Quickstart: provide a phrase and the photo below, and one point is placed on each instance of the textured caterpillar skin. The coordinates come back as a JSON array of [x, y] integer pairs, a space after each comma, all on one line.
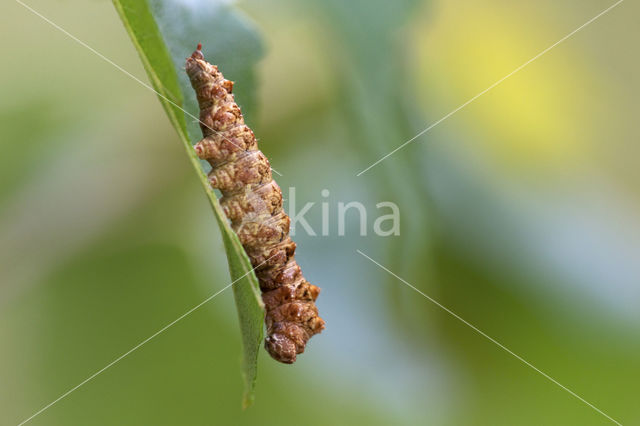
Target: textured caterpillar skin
[[252, 201]]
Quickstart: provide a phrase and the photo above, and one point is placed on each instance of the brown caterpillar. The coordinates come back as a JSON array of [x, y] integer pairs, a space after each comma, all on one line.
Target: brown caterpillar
[[252, 201]]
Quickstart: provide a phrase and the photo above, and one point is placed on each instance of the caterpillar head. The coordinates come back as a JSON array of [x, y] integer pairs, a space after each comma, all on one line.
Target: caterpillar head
[[281, 348]]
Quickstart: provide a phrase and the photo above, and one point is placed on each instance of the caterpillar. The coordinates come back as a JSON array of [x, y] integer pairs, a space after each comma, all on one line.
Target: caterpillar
[[252, 201]]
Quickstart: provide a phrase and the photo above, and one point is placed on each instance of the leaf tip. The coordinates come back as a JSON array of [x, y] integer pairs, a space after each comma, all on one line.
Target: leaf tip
[[247, 400]]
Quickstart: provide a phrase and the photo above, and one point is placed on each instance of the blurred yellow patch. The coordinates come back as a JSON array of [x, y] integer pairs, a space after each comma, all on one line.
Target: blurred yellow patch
[[531, 120]]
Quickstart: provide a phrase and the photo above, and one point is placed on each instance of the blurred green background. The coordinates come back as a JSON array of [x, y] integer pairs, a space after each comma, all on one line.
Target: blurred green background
[[521, 213]]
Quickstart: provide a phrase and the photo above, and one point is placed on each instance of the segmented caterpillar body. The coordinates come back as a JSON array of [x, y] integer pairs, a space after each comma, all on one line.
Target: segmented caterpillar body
[[252, 201]]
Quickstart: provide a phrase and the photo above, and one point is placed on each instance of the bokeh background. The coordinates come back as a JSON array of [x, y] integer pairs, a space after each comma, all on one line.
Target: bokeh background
[[521, 213]]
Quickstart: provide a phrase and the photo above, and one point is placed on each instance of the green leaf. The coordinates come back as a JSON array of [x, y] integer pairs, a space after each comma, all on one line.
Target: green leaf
[[165, 33]]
